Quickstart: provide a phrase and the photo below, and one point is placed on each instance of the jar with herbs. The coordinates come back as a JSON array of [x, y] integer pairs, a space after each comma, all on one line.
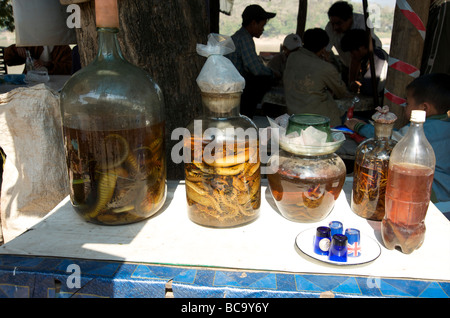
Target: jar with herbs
[[310, 176], [371, 168], [223, 180]]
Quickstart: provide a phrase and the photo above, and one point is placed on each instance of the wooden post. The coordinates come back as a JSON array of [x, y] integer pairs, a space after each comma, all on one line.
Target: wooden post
[[406, 46], [301, 17], [2, 166], [373, 74], [214, 16]]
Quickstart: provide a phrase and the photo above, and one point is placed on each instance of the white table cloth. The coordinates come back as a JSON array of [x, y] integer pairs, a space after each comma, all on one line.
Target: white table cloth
[[169, 237]]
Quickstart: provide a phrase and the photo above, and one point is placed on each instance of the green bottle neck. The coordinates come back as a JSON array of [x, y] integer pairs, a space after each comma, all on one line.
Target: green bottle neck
[[108, 45]]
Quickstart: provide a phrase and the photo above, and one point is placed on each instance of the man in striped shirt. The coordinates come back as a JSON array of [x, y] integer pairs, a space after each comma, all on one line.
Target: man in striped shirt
[[258, 77]]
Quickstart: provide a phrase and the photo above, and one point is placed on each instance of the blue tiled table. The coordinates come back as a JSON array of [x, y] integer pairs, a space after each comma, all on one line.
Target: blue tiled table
[[27, 270], [48, 277]]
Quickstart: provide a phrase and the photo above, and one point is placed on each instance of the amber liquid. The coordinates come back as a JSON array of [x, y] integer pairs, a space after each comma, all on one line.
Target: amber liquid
[[408, 194], [305, 200], [369, 188], [116, 177], [225, 192]]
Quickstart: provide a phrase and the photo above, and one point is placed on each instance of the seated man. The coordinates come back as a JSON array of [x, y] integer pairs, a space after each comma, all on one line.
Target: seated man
[[341, 20], [258, 78], [430, 93], [356, 42], [311, 82], [56, 59], [291, 43]]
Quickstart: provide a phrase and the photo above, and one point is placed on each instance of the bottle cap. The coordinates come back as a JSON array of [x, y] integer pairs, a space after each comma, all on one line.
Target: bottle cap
[[418, 116], [106, 13], [383, 115]]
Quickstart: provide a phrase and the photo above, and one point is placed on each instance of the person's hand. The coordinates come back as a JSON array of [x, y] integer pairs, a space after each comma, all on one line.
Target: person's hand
[[355, 87], [351, 123]]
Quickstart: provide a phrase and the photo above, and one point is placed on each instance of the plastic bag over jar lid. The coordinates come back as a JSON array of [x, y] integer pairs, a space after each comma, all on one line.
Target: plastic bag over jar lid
[[219, 75], [383, 115]]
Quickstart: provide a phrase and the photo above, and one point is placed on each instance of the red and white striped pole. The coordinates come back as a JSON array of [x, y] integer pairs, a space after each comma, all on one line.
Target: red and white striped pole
[[409, 13], [408, 35]]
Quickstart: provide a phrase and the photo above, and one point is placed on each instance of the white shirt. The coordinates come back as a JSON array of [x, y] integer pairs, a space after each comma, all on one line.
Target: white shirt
[[45, 55]]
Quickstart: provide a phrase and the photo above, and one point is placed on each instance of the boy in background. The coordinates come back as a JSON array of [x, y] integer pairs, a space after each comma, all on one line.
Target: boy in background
[[430, 93]]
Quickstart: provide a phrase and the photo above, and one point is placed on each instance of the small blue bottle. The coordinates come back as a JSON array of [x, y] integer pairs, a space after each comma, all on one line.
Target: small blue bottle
[[338, 248], [336, 227], [322, 240]]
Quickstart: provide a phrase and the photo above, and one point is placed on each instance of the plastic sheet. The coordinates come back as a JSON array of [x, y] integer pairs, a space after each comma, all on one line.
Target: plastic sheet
[[218, 74]]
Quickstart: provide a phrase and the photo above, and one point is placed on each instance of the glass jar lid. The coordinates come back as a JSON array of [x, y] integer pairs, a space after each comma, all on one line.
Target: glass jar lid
[[296, 144], [299, 122]]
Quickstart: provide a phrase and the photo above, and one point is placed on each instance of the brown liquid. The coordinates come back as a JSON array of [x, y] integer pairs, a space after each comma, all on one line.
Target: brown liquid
[[116, 177], [369, 188], [408, 194], [223, 193], [305, 200]]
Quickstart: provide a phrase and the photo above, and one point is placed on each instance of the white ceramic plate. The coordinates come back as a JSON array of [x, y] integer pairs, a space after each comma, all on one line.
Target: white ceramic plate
[[370, 249]]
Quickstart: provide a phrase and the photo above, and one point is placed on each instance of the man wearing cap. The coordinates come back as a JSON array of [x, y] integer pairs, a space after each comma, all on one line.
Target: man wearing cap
[[258, 77], [291, 43]]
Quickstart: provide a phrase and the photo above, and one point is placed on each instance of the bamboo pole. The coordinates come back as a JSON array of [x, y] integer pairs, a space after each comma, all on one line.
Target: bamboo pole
[[301, 17], [373, 74], [407, 45]]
